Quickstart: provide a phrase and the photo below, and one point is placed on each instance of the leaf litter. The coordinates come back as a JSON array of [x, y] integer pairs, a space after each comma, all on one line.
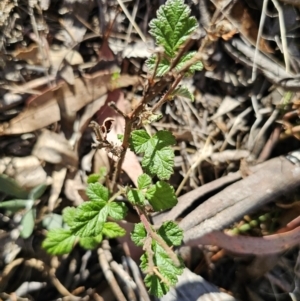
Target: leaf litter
[[58, 71]]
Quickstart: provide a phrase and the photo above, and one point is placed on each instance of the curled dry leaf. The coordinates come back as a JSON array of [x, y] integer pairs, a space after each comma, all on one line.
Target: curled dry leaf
[[131, 164]]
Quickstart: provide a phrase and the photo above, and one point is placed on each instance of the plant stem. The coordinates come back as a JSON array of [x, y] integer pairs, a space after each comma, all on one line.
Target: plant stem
[[157, 237]]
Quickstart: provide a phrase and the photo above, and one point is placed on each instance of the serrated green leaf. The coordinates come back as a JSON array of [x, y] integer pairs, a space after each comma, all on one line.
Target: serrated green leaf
[[156, 286], [166, 265], [186, 57], [89, 219], [69, 215], [97, 177], [37, 192], [116, 210], [183, 92], [158, 155], [10, 187], [97, 192], [90, 243], [144, 181], [27, 223], [93, 178], [138, 234], [136, 197], [171, 233], [162, 68], [59, 241], [159, 286], [172, 26], [161, 196], [16, 205], [112, 230], [139, 141]]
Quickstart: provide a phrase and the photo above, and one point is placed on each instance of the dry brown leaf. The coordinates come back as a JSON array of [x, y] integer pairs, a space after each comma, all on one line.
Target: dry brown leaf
[[54, 148], [131, 164], [58, 178], [43, 110], [27, 171]]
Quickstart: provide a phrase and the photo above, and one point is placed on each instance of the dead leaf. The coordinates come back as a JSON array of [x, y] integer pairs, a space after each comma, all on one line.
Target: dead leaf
[[54, 148], [58, 178], [73, 185], [27, 171], [43, 110], [131, 164]]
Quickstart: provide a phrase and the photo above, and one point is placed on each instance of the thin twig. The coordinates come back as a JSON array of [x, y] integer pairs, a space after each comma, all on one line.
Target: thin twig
[[261, 24], [283, 36], [126, 12]]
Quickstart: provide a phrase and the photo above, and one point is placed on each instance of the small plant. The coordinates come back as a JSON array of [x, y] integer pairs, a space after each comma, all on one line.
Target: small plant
[[91, 221]]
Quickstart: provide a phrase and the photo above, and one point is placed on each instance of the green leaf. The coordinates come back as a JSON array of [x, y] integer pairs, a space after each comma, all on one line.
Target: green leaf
[[136, 197], [138, 234], [97, 192], [183, 92], [89, 219], [116, 210], [144, 181], [172, 26], [161, 196], [27, 223], [112, 230], [96, 177], [52, 221], [162, 68], [158, 155], [139, 141], [59, 241], [37, 192], [186, 57], [90, 243], [171, 233], [12, 188], [93, 178], [16, 205], [156, 286], [69, 215], [159, 286]]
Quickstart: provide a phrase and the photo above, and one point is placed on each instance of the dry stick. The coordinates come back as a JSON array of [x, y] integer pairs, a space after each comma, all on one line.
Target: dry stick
[[165, 97], [129, 29], [130, 118], [126, 12], [187, 200], [203, 154], [269, 244], [110, 276], [283, 36], [40, 266], [268, 181]]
